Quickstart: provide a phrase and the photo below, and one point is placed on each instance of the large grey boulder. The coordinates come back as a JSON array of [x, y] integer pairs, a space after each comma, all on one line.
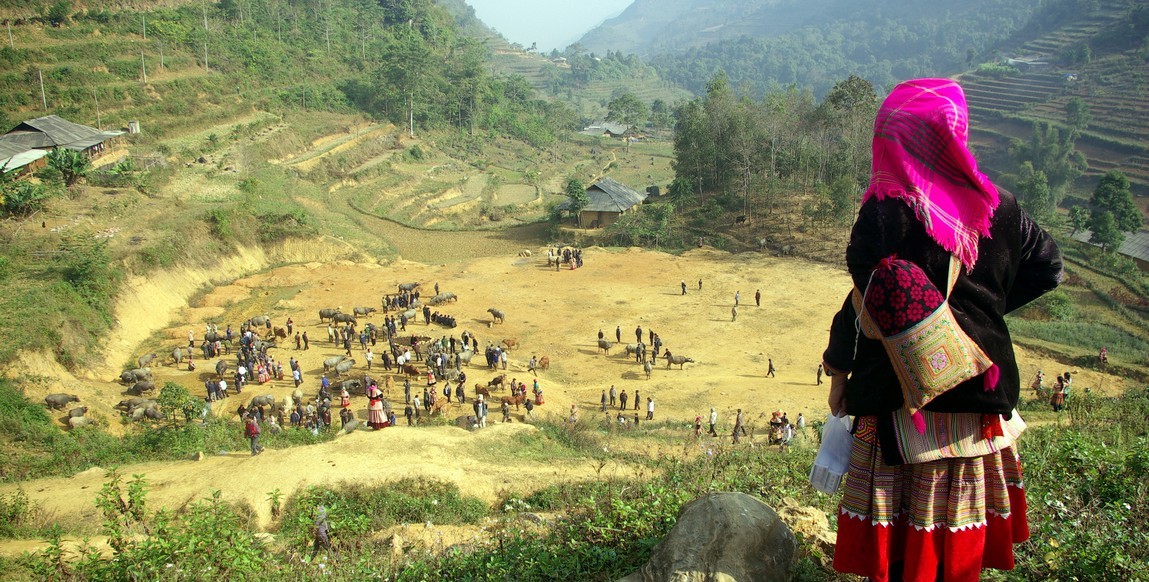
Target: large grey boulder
[[722, 537]]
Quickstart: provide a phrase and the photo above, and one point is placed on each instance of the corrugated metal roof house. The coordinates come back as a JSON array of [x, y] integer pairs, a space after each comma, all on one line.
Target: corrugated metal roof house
[[18, 160], [53, 131], [609, 200], [1136, 246]]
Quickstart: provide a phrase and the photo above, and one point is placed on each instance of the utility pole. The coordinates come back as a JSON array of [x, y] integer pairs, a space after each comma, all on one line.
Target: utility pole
[[43, 96], [143, 66], [162, 53], [144, 25], [205, 67], [99, 124], [10, 45]]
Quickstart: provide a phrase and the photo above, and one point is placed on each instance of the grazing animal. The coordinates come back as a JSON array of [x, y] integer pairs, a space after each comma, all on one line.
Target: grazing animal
[[408, 286], [325, 314], [647, 367], [497, 315], [81, 411], [410, 370], [133, 403], [278, 332], [483, 391], [680, 360], [497, 381], [465, 356], [351, 386], [525, 253], [345, 366], [215, 336], [145, 359], [631, 349], [59, 400], [178, 355], [259, 321], [604, 346], [516, 399], [220, 368], [544, 363], [345, 318], [333, 361], [265, 400], [142, 386], [410, 314], [127, 377], [133, 376], [742, 219], [511, 343], [364, 311], [439, 406], [78, 421]]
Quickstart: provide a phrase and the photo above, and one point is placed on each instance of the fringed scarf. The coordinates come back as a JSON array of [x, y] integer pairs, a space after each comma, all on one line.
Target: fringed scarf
[[920, 156]]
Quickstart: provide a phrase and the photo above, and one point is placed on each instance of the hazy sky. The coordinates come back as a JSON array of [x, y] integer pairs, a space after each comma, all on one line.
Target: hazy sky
[[550, 23]]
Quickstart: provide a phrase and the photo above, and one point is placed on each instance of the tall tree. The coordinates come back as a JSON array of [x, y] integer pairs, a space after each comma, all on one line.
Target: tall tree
[[1105, 230], [1113, 195], [576, 193], [626, 108], [1033, 192], [1077, 114], [1054, 152]]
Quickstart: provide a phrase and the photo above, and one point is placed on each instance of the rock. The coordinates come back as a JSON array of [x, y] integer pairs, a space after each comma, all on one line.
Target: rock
[[201, 160], [722, 537]]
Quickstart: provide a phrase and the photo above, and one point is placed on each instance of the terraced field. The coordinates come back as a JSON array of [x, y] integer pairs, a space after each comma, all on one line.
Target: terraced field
[[1112, 85]]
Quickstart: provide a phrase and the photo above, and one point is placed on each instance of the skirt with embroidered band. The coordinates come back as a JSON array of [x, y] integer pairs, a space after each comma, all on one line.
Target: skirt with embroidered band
[[946, 519]]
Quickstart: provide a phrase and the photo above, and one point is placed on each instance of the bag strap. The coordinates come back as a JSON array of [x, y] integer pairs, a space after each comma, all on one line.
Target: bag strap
[[951, 279]]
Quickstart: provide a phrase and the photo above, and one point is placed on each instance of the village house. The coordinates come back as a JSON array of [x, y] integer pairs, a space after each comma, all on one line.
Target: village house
[[24, 147], [608, 200]]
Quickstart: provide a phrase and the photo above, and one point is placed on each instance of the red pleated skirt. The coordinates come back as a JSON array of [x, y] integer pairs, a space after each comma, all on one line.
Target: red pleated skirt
[[948, 518]]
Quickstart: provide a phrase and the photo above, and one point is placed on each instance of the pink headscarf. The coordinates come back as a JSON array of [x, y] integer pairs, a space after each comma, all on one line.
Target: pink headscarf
[[921, 158]]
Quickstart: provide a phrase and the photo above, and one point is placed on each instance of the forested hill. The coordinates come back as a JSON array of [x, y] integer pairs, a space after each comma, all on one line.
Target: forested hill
[[811, 43]]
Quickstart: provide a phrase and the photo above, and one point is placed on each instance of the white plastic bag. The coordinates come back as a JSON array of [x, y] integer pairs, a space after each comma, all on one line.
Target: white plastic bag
[[833, 456]]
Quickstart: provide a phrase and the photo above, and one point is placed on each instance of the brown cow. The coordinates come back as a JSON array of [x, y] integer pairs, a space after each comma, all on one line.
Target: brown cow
[[511, 343], [411, 370], [438, 407], [497, 382], [481, 390], [277, 332], [516, 400], [544, 363]]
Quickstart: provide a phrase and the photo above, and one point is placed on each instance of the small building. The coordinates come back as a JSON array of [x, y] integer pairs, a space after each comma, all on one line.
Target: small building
[[16, 160], [608, 200], [606, 128], [1135, 246], [52, 131]]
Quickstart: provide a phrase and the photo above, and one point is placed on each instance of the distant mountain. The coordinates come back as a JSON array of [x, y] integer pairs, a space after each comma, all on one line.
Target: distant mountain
[[809, 42]]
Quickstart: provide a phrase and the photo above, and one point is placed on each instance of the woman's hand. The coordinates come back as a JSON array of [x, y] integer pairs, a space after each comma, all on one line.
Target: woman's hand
[[837, 398]]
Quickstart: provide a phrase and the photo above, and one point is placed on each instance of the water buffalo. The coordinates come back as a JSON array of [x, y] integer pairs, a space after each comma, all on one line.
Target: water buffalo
[[680, 360], [325, 314], [408, 286], [81, 411], [410, 314], [220, 368], [259, 321], [59, 400], [497, 315], [364, 311], [631, 349], [351, 386], [78, 421], [345, 366], [345, 318], [465, 356], [647, 366], [133, 376], [142, 386], [333, 361], [215, 336], [441, 298], [149, 412], [350, 426], [179, 354], [265, 400], [133, 403], [604, 346], [145, 359], [263, 345]]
